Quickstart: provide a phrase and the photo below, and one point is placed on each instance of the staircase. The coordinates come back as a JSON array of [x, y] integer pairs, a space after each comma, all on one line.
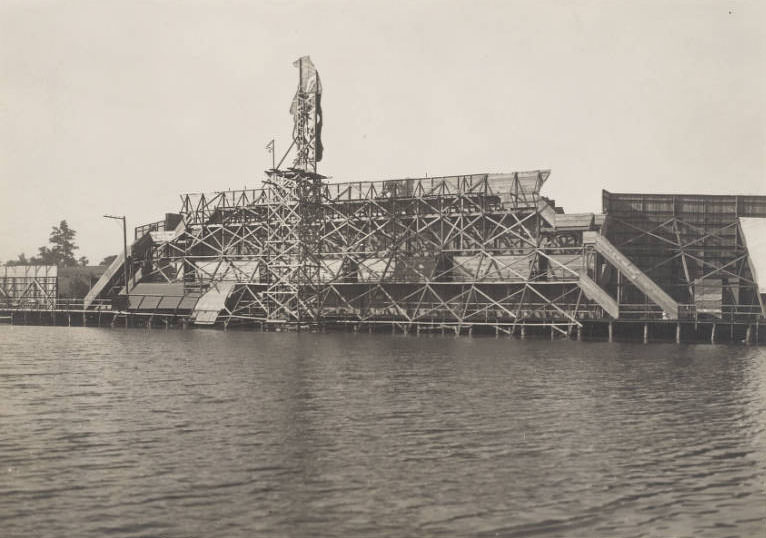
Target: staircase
[[114, 268], [547, 212], [596, 293], [635, 275]]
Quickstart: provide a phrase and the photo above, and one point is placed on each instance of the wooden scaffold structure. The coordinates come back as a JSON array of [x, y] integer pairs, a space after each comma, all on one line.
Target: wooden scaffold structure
[[444, 253], [484, 252]]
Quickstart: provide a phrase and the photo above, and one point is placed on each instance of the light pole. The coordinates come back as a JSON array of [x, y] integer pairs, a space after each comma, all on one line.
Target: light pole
[[124, 248]]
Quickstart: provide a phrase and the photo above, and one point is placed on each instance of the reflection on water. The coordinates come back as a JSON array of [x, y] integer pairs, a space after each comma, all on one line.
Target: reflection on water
[[206, 433]]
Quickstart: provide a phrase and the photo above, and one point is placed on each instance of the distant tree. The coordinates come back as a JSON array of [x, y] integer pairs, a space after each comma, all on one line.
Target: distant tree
[[61, 251], [21, 260], [46, 256], [108, 260]]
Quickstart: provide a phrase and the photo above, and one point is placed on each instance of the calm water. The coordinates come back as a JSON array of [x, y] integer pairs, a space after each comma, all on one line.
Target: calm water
[[204, 434]]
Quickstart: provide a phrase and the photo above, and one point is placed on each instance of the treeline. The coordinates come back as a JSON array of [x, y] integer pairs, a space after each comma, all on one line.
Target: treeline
[[59, 251]]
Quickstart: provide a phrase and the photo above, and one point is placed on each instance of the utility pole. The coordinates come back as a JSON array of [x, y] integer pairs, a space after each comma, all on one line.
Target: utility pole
[[124, 248]]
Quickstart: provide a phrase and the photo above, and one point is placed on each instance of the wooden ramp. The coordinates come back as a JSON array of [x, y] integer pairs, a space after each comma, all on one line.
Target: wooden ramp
[[211, 303], [116, 265], [596, 293], [635, 275], [547, 212], [103, 281]]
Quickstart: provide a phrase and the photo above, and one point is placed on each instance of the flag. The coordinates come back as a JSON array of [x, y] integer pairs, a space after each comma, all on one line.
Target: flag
[[309, 91], [308, 76], [270, 146], [308, 80]]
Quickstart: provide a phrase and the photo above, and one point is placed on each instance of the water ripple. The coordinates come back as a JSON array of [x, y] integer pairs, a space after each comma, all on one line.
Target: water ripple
[[204, 433]]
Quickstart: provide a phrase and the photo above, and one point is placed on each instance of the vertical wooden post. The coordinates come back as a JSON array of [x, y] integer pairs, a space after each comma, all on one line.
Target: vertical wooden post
[[712, 334], [678, 333], [747, 335], [619, 286], [523, 332], [611, 332], [646, 333], [579, 333], [69, 319]]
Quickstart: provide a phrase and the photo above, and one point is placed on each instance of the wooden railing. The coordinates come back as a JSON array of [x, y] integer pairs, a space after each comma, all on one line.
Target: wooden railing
[[61, 303], [144, 229]]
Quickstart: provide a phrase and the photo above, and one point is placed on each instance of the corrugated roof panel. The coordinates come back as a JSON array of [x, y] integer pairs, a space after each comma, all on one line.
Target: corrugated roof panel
[[158, 289], [574, 220]]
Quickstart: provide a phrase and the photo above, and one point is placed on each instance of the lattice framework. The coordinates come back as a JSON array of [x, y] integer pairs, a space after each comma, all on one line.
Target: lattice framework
[[452, 252]]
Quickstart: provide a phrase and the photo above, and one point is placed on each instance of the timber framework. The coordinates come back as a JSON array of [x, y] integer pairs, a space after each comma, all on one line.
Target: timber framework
[[479, 252]]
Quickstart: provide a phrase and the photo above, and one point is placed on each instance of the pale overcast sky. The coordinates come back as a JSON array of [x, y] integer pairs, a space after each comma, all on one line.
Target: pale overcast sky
[[120, 106]]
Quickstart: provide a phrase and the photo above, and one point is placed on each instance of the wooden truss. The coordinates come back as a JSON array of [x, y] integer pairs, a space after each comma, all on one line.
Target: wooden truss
[[454, 252], [25, 286], [683, 252]]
